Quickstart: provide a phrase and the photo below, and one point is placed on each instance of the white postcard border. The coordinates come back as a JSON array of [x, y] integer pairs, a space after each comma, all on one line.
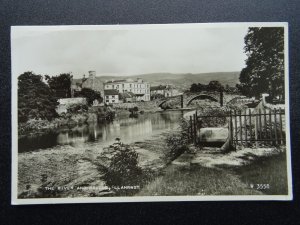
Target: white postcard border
[[14, 118]]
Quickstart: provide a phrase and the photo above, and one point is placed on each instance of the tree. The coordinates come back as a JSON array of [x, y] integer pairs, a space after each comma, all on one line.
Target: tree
[[123, 169], [198, 87], [90, 95], [264, 71], [35, 98], [215, 85], [61, 84]]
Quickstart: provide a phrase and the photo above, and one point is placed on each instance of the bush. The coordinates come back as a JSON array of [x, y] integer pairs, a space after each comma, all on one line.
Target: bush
[[178, 143], [124, 171], [75, 108], [134, 110], [218, 118]]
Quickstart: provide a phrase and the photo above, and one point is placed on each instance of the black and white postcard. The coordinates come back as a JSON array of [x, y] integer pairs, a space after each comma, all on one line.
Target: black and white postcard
[[131, 113]]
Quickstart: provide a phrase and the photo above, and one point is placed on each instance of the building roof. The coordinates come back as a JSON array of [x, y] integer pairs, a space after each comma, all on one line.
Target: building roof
[[115, 81], [138, 80], [127, 95], [111, 92]]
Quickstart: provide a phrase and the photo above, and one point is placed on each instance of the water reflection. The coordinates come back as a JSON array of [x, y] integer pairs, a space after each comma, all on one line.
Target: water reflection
[[128, 129]]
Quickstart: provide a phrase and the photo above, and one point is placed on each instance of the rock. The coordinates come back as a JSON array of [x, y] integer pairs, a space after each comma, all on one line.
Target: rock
[[213, 134]]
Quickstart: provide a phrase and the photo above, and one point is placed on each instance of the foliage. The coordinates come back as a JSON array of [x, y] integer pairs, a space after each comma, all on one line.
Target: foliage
[[90, 95], [123, 169], [215, 85], [134, 110], [212, 86], [35, 98], [178, 143], [61, 84], [218, 117], [75, 108], [156, 96], [198, 87], [264, 71]]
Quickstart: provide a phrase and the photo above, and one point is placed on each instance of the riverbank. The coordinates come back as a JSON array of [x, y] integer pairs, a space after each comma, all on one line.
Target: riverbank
[[74, 171], [245, 172], [65, 120]]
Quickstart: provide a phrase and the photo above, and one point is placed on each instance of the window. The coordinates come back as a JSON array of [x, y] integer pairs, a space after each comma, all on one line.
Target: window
[[107, 100], [113, 86], [129, 85], [106, 96], [113, 96], [123, 85], [113, 100], [118, 86]]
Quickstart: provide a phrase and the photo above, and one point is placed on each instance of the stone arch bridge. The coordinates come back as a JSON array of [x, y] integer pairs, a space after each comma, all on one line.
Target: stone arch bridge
[[187, 98]]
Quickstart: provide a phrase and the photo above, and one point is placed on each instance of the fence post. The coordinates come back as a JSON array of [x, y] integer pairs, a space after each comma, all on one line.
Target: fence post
[[241, 127], [250, 125], [275, 126], [260, 125], [245, 120], [256, 131], [270, 121], [230, 130], [280, 127], [265, 128], [191, 128], [235, 122]]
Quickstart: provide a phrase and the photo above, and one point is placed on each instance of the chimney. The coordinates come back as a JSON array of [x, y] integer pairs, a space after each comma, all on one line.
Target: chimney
[[92, 75]]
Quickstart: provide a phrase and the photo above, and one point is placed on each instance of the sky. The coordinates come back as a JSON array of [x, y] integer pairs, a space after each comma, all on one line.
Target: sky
[[128, 50]]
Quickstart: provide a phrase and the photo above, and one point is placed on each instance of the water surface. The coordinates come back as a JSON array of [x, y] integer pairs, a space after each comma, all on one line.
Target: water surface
[[102, 134]]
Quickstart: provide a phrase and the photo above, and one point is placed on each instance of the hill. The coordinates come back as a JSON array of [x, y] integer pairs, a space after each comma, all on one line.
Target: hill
[[183, 80]]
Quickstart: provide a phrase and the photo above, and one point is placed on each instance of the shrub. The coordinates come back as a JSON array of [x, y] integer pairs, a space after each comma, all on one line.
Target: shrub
[[218, 118], [178, 143], [124, 171]]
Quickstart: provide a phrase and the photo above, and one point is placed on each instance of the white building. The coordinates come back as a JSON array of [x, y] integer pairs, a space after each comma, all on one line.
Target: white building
[[164, 90], [111, 96], [138, 87]]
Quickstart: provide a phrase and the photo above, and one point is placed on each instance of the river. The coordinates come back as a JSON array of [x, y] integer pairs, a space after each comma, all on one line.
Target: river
[[103, 134]]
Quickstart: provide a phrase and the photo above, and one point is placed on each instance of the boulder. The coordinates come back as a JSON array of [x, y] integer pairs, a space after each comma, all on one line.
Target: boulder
[[213, 134]]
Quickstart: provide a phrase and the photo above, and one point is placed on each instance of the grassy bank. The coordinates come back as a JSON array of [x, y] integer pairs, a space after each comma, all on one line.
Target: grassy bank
[[197, 180], [268, 174], [69, 120], [200, 180]]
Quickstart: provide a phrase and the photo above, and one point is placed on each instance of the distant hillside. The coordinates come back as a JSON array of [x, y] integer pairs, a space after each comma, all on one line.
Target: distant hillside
[[182, 81]]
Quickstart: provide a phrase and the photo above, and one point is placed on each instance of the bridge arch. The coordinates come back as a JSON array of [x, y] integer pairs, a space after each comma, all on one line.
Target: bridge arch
[[202, 96], [161, 103]]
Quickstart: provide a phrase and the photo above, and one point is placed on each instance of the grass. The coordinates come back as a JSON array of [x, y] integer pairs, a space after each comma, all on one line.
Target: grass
[[266, 170], [198, 180]]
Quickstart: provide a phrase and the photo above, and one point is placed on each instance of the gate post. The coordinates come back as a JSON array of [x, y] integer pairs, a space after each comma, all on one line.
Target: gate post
[[230, 130]]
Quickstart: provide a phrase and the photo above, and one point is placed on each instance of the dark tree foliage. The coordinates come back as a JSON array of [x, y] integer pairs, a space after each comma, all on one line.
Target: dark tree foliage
[[212, 86], [123, 169], [35, 98], [197, 87], [264, 71], [215, 85], [90, 95], [61, 84]]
